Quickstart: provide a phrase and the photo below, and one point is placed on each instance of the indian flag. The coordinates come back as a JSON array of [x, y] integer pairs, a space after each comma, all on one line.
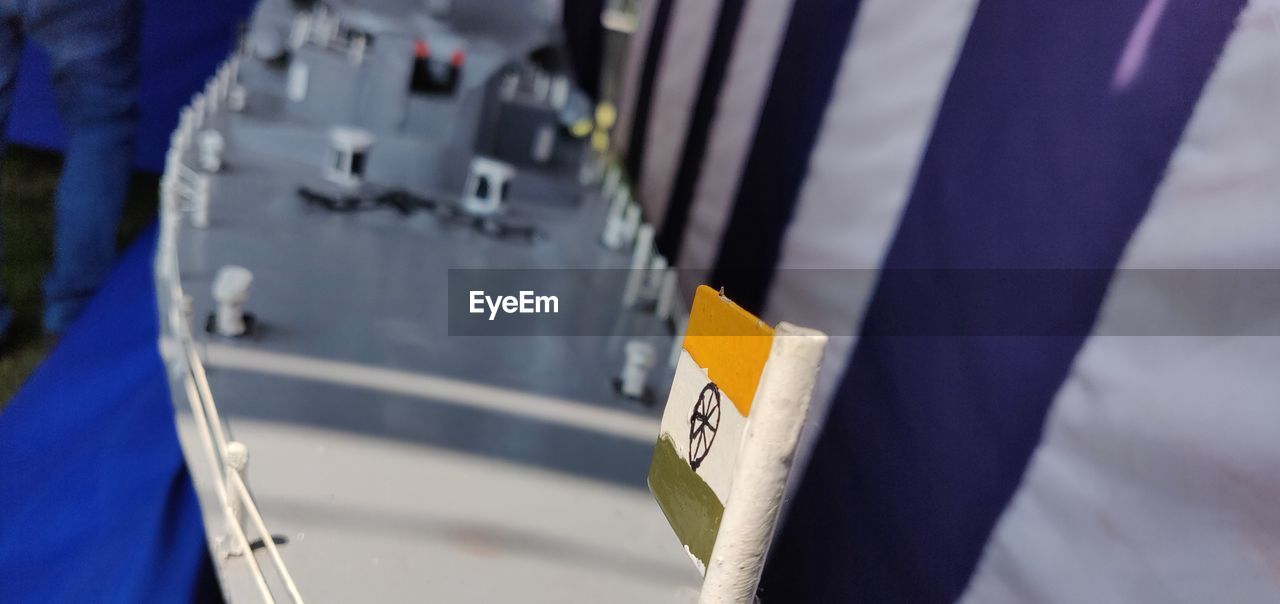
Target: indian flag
[[703, 426]]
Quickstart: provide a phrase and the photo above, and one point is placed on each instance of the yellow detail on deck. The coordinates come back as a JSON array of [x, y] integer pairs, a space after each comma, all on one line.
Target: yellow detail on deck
[[606, 115], [730, 343], [600, 141], [580, 128]]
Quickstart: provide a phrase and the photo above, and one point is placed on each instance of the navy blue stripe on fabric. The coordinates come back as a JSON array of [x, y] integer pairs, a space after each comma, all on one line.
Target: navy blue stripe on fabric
[[803, 77], [1036, 161], [584, 35], [644, 91], [700, 121]]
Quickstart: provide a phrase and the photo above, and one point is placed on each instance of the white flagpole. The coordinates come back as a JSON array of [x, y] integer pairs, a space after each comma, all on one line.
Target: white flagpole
[[760, 476]]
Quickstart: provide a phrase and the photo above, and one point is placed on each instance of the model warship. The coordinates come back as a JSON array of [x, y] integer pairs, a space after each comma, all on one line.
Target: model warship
[[344, 445]]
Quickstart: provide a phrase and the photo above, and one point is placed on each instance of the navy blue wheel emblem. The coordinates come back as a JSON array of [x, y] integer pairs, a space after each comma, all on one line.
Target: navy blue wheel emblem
[[703, 424]]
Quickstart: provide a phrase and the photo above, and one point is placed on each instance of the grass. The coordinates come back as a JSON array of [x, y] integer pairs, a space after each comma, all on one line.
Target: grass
[[28, 180]]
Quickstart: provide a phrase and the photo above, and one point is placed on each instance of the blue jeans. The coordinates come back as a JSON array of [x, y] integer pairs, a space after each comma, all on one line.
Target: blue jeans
[[93, 51]]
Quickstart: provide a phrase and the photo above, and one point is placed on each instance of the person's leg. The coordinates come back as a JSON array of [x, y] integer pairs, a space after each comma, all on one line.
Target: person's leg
[[93, 47], [10, 51]]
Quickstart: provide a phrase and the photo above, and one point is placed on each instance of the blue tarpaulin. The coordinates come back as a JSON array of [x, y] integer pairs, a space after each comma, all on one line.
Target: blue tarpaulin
[[95, 501]]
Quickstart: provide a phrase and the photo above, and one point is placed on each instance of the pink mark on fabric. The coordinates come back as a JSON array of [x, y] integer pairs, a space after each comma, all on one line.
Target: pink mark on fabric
[[1135, 51]]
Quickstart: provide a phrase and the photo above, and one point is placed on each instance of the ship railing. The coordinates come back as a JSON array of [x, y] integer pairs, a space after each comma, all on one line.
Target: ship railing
[[226, 458]]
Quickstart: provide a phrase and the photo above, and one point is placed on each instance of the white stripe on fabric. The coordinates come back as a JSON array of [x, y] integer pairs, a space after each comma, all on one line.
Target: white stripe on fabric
[[1158, 474], [862, 169], [675, 88], [746, 83]]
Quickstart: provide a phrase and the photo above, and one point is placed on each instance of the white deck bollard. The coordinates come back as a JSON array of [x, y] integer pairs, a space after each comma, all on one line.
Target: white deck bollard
[[348, 155], [487, 186], [641, 358], [210, 146], [230, 291]]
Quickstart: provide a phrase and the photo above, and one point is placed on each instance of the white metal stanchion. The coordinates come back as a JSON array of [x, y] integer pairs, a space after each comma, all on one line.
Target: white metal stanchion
[[640, 359]]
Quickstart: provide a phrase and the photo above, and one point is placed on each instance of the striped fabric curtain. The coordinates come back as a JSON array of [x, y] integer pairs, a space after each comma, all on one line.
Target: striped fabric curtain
[[1006, 213]]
